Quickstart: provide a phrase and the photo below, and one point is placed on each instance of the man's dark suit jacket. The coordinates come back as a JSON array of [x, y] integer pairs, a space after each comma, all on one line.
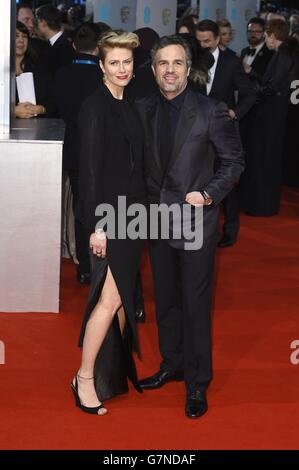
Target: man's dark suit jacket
[[61, 53], [204, 129], [73, 84], [260, 63], [230, 77]]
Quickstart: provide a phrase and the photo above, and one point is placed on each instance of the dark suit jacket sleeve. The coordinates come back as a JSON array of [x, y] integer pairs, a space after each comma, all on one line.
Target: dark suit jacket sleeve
[[91, 156], [225, 138], [44, 92], [247, 95], [277, 75]]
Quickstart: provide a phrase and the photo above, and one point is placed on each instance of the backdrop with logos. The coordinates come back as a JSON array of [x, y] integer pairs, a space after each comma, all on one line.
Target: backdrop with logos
[[239, 12], [133, 14], [161, 15]]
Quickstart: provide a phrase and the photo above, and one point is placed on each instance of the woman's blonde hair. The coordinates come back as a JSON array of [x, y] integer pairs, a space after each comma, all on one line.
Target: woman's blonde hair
[[224, 23], [117, 38]]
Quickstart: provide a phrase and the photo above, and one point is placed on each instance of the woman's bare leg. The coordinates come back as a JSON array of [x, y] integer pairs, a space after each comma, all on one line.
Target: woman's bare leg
[[121, 319], [96, 330]]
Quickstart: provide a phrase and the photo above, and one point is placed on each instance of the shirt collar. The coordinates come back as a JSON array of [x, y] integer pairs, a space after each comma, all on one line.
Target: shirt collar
[[176, 102], [54, 38], [257, 48], [84, 56], [216, 54]]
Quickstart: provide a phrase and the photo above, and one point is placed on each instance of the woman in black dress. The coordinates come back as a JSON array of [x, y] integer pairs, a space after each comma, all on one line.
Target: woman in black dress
[[111, 153]]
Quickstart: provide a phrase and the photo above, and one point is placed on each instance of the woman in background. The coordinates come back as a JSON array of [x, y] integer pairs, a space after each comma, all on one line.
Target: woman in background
[[26, 61], [226, 35]]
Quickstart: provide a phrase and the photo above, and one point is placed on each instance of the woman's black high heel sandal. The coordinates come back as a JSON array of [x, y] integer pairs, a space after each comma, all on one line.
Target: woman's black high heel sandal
[[91, 410]]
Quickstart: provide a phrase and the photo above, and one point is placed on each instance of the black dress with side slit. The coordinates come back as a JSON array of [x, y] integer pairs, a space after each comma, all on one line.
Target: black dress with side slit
[[111, 165]]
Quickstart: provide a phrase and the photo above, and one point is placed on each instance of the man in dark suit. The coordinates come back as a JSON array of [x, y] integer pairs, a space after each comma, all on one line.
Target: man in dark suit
[[230, 84], [73, 84], [49, 23], [256, 56], [40, 47], [183, 129]]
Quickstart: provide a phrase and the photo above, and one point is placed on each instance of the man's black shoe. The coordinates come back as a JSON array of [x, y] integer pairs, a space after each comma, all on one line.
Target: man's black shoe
[[227, 241], [140, 315], [83, 278], [159, 379], [196, 404]]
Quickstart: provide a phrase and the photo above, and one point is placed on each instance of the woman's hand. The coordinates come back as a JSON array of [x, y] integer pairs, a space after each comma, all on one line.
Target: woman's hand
[[37, 109], [24, 110], [97, 245]]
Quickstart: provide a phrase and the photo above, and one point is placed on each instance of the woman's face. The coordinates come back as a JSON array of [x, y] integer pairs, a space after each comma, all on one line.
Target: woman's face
[[270, 41], [225, 35], [21, 43], [183, 30], [118, 66]]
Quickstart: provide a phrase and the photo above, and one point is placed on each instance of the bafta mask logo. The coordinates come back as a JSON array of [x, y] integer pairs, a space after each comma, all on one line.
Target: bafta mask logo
[[166, 14], [125, 14]]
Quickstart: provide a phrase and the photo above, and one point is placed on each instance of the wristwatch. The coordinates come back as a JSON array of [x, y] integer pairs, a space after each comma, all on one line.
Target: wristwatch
[[207, 198]]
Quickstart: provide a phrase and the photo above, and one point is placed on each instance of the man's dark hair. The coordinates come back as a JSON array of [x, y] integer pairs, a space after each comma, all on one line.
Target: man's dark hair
[[188, 23], [51, 15], [173, 40], [86, 37], [208, 25], [23, 5], [257, 20], [103, 27]]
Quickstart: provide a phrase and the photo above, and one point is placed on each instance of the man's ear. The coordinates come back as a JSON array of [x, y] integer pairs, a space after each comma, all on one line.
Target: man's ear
[[154, 71], [188, 71]]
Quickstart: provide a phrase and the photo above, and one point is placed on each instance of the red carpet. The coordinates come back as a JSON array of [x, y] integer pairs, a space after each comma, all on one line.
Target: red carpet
[[253, 399]]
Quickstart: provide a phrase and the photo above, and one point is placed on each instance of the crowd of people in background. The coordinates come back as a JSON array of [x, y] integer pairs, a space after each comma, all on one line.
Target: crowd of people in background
[[61, 50]]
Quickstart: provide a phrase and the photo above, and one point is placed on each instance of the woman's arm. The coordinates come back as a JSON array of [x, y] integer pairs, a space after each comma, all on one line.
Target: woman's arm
[[24, 110], [91, 157]]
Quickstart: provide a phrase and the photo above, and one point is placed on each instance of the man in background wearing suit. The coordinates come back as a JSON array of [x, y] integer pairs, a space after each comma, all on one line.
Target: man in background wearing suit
[[49, 23], [256, 56], [227, 79], [41, 48], [183, 129]]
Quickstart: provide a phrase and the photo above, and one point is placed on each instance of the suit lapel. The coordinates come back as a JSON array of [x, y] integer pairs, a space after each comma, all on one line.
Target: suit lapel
[[153, 111], [218, 74], [184, 126]]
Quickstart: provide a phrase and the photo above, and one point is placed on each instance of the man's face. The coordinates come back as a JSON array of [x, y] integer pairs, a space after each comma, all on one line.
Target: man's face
[[171, 70], [26, 17], [42, 28], [207, 40], [270, 41], [255, 34]]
